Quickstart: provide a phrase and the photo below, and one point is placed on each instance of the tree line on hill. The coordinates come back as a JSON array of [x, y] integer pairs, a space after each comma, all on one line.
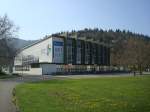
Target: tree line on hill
[[128, 50]]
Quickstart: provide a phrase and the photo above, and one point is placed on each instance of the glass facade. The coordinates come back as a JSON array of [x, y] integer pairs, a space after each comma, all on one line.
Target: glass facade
[[94, 53], [78, 53], [85, 52]]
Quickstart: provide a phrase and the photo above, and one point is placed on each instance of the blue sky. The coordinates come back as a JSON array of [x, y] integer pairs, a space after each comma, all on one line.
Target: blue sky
[[37, 18]]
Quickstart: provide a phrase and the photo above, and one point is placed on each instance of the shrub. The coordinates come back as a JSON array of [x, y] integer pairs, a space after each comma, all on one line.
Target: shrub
[[15, 74], [2, 73]]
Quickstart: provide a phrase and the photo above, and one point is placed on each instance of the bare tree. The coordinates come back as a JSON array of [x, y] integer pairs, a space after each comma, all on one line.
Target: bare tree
[[117, 53], [147, 58], [7, 30], [132, 53], [135, 54]]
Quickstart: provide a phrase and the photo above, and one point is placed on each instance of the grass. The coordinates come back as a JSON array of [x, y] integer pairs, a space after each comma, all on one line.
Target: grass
[[111, 94]]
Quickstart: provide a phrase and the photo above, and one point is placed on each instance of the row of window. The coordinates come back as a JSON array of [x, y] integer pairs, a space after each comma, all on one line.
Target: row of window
[[57, 49], [22, 68], [79, 68], [80, 52]]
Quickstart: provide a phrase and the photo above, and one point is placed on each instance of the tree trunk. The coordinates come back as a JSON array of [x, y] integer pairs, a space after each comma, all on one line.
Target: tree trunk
[[140, 68], [134, 73], [134, 70]]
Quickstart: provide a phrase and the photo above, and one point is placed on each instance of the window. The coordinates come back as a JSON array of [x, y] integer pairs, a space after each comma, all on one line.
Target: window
[[22, 68], [35, 65]]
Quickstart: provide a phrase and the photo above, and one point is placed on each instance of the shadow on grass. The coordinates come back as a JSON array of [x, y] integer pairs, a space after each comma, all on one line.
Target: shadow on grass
[[5, 76]]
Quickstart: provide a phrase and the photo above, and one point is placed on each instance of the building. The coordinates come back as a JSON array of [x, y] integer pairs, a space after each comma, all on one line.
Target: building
[[58, 54]]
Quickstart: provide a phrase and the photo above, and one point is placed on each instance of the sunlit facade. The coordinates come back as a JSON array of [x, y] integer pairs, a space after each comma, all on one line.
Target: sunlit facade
[[59, 54]]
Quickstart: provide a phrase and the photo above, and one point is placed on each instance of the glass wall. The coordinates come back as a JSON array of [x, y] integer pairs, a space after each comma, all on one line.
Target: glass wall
[[78, 53], [87, 53]]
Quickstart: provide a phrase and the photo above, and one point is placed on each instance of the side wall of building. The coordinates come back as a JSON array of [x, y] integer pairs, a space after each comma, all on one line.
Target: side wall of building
[[40, 52]]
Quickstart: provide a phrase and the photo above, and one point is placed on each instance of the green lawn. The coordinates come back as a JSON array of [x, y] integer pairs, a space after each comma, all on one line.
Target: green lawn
[[116, 94]]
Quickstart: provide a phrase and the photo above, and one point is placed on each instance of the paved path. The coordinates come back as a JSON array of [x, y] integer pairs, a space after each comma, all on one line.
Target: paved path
[[6, 104], [6, 87]]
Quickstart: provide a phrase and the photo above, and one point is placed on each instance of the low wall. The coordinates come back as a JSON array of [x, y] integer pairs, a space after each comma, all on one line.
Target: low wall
[[48, 68], [33, 71]]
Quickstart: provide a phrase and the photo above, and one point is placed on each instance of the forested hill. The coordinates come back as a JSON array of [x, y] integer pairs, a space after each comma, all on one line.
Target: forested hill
[[19, 43], [104, 35]]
